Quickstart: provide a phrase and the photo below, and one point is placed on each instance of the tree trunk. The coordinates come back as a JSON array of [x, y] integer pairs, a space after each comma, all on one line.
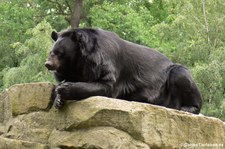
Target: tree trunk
[[75, 17], [206, 20]]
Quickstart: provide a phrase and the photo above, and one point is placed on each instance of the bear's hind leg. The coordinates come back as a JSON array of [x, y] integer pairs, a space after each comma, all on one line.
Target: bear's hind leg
[[185, 90]]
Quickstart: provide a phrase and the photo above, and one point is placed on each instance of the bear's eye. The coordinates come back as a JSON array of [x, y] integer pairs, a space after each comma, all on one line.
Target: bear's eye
[[58, 52]]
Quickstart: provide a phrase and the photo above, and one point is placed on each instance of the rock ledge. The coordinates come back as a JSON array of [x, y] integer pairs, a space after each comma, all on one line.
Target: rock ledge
[[28, 121]]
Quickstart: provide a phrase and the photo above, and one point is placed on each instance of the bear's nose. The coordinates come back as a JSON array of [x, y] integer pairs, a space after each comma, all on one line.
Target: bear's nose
[[48, 65]]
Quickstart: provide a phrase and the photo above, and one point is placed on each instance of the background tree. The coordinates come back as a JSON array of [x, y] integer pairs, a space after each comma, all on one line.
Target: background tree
[[76, 14], [32, 56]]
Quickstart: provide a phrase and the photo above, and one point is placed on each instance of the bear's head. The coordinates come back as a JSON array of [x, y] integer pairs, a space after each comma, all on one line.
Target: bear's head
[[69, 46]]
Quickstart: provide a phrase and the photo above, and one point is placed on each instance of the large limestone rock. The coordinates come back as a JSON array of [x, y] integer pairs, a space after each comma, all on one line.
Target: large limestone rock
[[27, 120]]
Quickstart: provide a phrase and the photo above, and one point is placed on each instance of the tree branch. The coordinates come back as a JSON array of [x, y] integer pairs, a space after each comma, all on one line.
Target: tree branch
[[206, 21]]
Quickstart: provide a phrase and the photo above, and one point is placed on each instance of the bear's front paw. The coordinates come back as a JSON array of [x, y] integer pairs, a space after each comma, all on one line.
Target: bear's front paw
[[58, 103], [63, 90]]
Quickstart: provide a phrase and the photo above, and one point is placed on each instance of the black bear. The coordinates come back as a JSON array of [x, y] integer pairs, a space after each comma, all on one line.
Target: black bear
[[95, 62]]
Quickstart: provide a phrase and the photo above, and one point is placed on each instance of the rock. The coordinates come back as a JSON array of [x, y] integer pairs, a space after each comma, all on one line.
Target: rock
[[29, 97], [96, 137], [20, 144], [2, 110], [100, 123]]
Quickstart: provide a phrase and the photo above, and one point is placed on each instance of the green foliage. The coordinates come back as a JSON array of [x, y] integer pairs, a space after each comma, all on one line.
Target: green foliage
[[210, 80], [123, 20], [15, 20], [56, 12], [32, 54]]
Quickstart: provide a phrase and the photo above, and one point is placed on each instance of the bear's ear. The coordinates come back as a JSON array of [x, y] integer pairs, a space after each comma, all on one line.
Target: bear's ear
[[54, 35]]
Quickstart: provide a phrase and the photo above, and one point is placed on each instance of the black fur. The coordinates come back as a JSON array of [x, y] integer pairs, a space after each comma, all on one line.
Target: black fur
[[95, 62]]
